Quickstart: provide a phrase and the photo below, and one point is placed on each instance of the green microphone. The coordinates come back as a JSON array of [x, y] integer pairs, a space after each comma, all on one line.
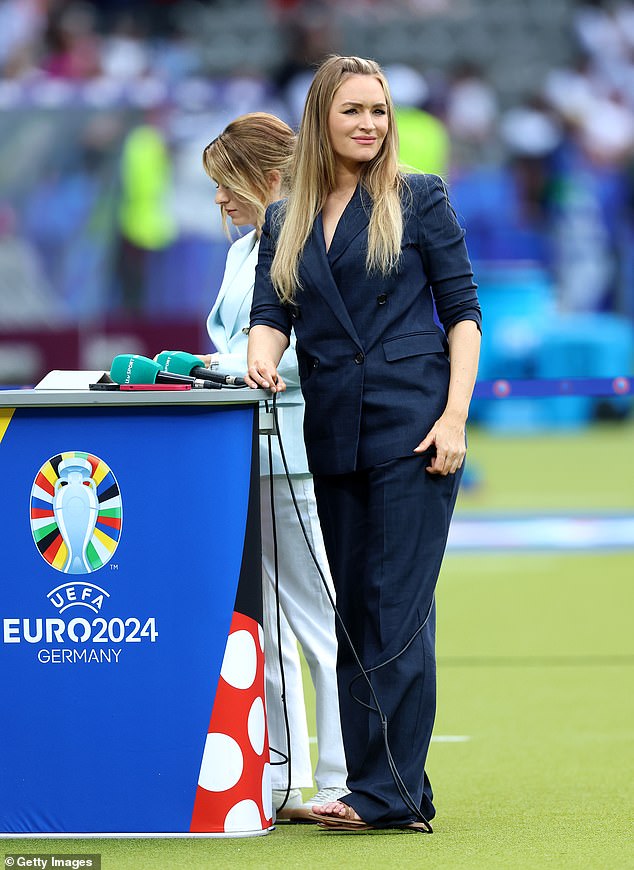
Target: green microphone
[[129, 368], [187, 364]]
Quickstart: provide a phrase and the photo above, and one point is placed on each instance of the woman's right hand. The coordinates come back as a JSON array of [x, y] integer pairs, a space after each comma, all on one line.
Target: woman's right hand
[[263, 374], [265, 345]]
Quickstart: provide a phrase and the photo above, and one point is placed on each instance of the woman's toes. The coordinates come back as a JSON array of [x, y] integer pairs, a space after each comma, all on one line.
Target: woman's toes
[[336, 809]]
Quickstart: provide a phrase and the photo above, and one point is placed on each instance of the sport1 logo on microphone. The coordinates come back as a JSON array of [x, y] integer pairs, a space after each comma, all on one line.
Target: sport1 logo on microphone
[[76, 512]]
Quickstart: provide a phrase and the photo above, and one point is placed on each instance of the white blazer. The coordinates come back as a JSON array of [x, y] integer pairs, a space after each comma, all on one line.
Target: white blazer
[[227, 325]]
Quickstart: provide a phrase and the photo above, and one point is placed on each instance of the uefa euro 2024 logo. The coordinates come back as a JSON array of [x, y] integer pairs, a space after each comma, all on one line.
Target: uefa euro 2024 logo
[[76, 512]]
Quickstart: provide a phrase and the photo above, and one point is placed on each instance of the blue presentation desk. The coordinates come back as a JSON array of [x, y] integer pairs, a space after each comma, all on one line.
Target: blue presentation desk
[[131, 661]]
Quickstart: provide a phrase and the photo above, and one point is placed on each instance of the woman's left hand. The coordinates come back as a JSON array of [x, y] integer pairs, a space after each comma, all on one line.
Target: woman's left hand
[[448, 436]]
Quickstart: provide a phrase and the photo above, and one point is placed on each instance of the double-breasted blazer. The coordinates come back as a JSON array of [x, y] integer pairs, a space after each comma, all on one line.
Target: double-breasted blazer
[[227, 325], [372, 349]]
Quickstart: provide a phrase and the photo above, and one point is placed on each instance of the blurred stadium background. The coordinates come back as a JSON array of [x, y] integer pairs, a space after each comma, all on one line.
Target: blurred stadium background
[[109, 237], [110, 243]]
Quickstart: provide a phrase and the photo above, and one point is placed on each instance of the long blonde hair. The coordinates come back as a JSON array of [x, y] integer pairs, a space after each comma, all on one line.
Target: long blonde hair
[[313, 178], [243, 156]]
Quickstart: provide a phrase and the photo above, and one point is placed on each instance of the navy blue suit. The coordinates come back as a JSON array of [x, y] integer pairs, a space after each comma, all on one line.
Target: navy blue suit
[[374, 371]]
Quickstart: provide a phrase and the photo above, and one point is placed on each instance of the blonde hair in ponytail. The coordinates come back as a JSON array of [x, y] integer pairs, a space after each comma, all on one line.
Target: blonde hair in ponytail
[[313, 178]]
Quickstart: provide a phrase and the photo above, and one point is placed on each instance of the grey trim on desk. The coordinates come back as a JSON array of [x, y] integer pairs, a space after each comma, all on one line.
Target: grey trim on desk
[[93, 398]]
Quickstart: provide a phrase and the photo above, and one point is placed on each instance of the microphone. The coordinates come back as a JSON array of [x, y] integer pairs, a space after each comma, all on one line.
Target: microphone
[[187, 364], [129, 368]]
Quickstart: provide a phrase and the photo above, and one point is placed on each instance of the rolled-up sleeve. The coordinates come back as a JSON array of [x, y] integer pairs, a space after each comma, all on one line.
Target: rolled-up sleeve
[[444, 251], [266, 308]]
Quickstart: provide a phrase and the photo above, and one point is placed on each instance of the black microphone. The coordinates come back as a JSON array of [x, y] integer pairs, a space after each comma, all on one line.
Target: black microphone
[[218, 378], [187, 364]]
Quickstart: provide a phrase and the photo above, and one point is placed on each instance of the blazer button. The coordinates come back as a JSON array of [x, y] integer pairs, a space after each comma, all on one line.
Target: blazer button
[[359, 358], [315, 363], [382, 299]]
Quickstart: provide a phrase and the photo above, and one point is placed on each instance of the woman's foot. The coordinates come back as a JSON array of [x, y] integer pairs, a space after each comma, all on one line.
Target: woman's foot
[[288, 806], [326, 795], [336, 810], [339, 816]]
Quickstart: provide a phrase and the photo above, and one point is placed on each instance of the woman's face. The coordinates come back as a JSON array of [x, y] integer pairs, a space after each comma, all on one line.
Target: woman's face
[[241, 213], [358, 120]]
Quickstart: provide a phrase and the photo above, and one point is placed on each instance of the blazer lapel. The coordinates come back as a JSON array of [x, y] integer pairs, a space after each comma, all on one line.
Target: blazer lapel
[[354, 220], [317, 271], [235, 272]]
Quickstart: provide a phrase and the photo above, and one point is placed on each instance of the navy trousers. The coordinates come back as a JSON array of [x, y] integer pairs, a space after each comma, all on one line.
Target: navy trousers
[[385, 530]]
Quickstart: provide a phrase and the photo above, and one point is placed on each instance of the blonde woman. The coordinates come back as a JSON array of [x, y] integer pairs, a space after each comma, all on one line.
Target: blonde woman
[[249, 164], [356, 261]]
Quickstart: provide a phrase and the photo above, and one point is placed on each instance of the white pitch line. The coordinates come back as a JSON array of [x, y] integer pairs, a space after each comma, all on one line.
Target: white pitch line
[[542, 532], [450, 738]]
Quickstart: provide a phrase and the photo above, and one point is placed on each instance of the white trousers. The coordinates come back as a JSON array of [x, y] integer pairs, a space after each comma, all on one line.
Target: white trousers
[[306, 616]]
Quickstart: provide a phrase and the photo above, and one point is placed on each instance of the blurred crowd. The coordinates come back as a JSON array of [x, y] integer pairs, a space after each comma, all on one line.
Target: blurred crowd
[[105, 109]]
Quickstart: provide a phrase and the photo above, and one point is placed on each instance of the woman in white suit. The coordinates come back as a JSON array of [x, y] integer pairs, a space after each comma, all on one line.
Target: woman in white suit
[[248, 162]]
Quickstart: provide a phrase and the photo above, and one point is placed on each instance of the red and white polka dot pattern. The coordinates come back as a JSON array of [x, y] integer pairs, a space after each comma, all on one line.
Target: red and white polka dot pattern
[[234, 784]]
